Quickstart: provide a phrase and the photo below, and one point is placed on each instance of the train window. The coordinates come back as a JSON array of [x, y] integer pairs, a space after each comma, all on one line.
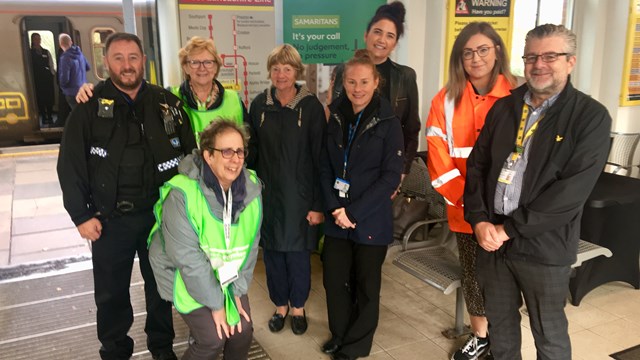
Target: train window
[[98, 38], [47, 42]]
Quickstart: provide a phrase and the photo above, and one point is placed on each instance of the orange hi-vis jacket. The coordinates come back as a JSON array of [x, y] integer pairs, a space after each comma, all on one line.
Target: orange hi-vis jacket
[[449, 143]]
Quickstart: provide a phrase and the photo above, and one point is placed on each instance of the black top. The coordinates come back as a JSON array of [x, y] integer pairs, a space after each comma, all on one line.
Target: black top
[[384, 69]]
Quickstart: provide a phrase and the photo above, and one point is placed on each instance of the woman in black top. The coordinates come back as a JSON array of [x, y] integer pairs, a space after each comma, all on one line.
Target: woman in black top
[[398, 82]]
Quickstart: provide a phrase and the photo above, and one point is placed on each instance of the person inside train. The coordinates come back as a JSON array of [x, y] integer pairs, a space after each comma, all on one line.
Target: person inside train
[[116, 151], [204, 245], [72, 69], [360, 169], [398, 82], [43, 73], [203, 96], [479, 74], [288, 124]]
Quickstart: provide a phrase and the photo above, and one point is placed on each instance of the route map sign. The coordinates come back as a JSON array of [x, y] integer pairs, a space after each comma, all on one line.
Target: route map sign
[[244, 34]]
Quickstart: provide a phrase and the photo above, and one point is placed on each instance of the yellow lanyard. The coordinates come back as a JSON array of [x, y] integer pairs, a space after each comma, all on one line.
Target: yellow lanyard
[[522, 137]]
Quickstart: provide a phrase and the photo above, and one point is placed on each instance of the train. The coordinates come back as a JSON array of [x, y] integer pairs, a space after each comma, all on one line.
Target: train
[[88, 23]]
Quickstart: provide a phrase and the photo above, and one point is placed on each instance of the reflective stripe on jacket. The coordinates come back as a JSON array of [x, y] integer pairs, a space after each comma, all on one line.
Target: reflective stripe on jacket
[[210, 230], [448, 166]]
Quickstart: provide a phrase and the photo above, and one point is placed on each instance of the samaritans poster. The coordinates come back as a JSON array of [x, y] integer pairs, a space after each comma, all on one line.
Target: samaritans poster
[[327, 31]]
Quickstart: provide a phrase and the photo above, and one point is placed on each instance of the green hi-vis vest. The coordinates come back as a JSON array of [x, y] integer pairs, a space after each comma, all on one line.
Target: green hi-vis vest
[[230, 108], [210, 231]]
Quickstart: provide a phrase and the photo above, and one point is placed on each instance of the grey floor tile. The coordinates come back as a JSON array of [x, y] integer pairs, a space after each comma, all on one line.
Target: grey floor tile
[[45, 242], [28, 225], [5, 240], [4, 258], [35, 177], [36, 164], [78, 251], [43, 189]]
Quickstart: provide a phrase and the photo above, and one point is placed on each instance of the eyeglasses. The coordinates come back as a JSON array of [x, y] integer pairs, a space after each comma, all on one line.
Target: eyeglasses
[[194, 64], [546, 57], [483, 51], [228, 153]]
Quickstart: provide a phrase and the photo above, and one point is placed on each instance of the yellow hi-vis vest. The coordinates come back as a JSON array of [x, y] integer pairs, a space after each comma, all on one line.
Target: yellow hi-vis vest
[[230, 108], [210, 231]]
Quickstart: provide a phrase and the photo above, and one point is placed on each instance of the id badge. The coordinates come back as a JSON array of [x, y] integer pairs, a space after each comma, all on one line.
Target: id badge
[[227, 273], [506, 175], [342, 186]]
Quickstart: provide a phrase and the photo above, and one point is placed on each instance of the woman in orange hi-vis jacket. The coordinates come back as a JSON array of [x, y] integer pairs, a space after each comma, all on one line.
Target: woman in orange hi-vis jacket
[[479, 75]]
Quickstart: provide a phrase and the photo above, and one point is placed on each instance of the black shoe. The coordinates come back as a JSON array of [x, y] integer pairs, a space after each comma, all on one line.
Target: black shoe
[[169, 355], [277, 322], [342, 356], [299, 323], [331, 346]]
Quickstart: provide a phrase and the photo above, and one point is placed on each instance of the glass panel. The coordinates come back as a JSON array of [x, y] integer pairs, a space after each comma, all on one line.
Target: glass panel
[[524, 19], [98, 39]]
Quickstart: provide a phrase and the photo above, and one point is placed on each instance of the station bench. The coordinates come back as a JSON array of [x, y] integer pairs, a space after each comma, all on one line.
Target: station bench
[[439, 267]]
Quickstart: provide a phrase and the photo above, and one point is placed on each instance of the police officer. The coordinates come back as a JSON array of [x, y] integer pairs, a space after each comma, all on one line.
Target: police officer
[[116, 151]]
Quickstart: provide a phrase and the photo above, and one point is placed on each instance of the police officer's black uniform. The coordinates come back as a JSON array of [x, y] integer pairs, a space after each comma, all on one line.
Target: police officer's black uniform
[[114, 155]]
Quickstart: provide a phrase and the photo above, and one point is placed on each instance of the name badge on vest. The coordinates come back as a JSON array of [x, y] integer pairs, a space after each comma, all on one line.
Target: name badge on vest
[[105, 108], [227, 273]]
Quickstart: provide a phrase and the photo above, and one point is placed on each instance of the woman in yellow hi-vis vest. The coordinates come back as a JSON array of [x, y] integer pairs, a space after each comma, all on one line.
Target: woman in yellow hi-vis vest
[[204, 245]]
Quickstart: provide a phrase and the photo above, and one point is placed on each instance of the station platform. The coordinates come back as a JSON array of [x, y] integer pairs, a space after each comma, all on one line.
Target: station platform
[[47, 310]]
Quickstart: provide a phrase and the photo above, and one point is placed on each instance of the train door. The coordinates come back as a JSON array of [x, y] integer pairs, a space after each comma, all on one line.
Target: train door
[[41, 65]]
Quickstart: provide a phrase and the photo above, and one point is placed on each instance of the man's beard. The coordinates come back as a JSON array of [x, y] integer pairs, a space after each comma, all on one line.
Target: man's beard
[[133, 85]]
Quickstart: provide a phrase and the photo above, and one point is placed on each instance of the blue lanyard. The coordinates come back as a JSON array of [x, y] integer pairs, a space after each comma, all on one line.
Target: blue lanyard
[[350, 137]]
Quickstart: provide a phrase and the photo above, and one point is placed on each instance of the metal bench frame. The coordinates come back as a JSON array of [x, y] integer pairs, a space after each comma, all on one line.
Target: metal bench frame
[[439, 267]]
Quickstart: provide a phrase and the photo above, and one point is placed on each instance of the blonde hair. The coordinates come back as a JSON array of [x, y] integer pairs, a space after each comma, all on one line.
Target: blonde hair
[[287, 55], [195, 45]]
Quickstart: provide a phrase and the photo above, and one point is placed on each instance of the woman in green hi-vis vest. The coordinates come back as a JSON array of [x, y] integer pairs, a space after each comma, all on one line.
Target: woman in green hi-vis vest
[[204, 246], [204, 97]]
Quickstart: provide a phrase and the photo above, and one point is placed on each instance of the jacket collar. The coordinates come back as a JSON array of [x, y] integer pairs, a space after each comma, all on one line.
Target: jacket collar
[[302, 92], [519, 93], [107, 89]]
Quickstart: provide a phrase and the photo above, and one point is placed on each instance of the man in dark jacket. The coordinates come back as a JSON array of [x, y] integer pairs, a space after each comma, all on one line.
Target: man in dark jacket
[[43, 73], [116, 151], [528, 177], [72, 69]]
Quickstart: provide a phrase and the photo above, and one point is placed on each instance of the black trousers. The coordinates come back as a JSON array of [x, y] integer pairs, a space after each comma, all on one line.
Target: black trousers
[[504, 283], [352, 278], [288, 276], [207, 344], [113, 257]]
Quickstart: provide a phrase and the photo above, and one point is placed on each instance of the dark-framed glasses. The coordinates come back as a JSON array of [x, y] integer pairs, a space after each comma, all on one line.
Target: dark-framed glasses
[[482, 51], [194, 64], [546, 57], [228, 153]]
